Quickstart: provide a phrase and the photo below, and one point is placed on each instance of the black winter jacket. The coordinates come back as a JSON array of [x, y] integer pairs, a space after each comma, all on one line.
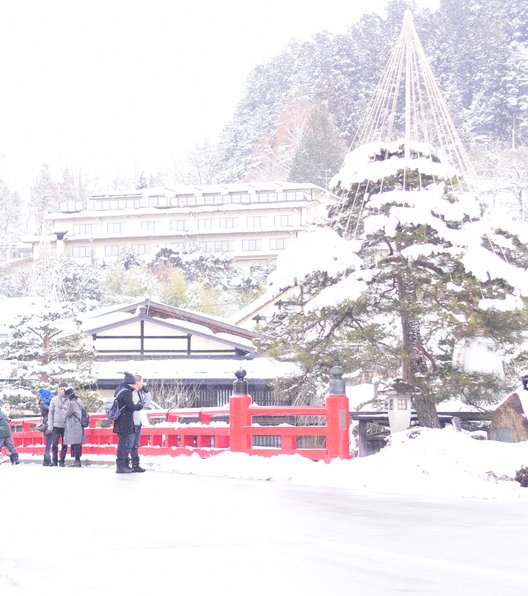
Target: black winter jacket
[[44, 411], [125, 423]]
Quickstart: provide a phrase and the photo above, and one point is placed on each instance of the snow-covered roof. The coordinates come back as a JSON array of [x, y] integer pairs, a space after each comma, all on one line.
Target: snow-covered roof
[[267, 300], [197, 368], [147, 308]]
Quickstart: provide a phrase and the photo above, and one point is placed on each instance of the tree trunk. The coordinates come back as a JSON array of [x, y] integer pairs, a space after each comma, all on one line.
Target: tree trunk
[[413, 360]]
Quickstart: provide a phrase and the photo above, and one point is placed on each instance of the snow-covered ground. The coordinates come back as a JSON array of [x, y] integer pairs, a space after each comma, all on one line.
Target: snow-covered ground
[[389, 523], [432, 462]]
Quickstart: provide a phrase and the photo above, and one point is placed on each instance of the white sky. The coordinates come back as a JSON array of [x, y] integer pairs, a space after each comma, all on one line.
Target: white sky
[[121, 85]]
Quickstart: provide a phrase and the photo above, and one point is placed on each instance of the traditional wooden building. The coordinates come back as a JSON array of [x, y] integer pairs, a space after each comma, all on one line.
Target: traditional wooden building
[[188, 357]]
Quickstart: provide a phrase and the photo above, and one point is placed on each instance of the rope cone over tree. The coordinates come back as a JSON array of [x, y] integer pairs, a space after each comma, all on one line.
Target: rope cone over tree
[[430, 270]]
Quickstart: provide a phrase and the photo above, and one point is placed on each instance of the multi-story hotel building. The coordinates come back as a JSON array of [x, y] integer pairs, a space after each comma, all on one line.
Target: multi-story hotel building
[[252, 223]]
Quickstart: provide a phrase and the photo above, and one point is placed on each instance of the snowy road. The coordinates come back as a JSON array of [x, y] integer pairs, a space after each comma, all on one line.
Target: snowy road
[[95, 532]]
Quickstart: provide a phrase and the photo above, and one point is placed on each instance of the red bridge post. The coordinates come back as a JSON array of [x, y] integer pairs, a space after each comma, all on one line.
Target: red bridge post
[[239, 416], [338, 417]]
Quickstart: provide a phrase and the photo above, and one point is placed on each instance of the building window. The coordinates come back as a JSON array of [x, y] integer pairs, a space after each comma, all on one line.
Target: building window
[[71, 206], [159, 202], [81, 251], [224, 246], [213, 199], [267, 197], [277, 243], [186, 200], [206, 246], [250, 245], [82, 229], [205, 224], [296, 195], [114, 250], [139, 249], [113, 228], [239, 198], [228, 223], [402, 403], [148, 226], [179, 225], [255, 221], [283, 220]]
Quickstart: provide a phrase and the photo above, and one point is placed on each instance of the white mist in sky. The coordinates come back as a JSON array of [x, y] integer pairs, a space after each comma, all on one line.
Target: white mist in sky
[[117, 86]]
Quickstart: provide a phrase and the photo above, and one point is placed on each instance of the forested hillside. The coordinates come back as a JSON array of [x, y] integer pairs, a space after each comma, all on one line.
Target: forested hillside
[[301, 110]]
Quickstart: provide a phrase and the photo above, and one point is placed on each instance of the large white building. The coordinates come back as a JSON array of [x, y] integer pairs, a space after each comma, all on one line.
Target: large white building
[[252, 222]]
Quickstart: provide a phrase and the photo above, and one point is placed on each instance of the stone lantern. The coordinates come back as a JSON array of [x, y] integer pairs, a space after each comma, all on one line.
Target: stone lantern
[[399, 396]]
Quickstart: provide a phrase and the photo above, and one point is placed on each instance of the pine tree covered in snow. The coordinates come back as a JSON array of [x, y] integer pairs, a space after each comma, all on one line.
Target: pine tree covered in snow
[[432, 272], [44, 347]]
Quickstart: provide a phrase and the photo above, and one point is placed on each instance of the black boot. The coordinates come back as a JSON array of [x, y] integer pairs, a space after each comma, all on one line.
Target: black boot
[[14, 458], [47, 461], [122, 466], [136, 467]]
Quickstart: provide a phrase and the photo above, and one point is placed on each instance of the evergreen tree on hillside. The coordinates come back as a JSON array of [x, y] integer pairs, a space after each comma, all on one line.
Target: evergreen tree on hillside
[[45, 197], [476, 49], [10, 216], [320, 151]]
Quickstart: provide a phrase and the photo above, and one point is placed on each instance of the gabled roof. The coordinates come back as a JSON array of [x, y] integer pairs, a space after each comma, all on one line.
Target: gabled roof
[[148, 309], [264, 303], [176, 319]]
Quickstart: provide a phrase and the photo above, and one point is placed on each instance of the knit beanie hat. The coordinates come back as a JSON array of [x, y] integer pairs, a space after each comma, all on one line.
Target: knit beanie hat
[[70, 392], [129, 378], [45, 395]]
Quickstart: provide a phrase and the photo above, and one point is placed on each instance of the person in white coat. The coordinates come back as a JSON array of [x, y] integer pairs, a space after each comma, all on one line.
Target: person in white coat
[[140, 394], [56, 423], [73, 430]]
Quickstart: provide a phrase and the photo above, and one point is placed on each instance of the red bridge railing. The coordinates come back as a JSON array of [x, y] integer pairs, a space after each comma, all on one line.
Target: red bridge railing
[[209, 431]]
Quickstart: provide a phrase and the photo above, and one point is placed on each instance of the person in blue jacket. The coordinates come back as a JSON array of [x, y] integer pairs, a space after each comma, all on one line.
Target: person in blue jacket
[[6, 440], [44, 405]]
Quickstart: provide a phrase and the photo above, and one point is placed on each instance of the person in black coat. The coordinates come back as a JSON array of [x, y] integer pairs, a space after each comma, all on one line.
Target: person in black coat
[[124, 424]]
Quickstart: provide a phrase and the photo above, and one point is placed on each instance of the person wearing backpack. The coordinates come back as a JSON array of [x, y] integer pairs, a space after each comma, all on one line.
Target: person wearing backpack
[[73, 429], [124, 423], [6, 440]]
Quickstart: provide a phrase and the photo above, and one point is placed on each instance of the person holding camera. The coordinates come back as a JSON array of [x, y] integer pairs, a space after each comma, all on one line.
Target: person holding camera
[[124, 425], [141, 395], [56, 424]]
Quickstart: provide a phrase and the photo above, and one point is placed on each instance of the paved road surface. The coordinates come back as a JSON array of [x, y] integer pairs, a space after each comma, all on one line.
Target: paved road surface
[[90, 531]]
